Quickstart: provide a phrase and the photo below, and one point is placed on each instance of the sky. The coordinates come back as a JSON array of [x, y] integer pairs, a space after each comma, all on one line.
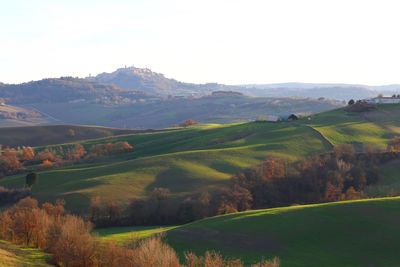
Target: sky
[[225, 41]]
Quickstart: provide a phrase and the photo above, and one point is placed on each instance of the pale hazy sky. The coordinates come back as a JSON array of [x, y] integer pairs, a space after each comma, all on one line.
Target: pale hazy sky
[[226, 41]]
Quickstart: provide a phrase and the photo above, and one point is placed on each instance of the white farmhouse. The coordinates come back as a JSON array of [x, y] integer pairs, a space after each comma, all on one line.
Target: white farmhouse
[[384, 100]]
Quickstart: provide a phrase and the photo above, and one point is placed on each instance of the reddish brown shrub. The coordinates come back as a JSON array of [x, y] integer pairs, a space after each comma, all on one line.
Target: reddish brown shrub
[[9, 162], [46, 164], [188, 122], [75, 153], [75, 246], [27, 154], [46, 155], [154, 252]]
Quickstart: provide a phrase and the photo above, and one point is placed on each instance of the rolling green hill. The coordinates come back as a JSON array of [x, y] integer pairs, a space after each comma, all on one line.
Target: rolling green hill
[[338, 234], [185, 161], [125, 235], [204, 157], [374, 128]]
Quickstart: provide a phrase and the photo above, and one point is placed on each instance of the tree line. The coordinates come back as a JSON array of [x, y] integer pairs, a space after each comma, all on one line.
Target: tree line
[[16, 160], [69, 240]]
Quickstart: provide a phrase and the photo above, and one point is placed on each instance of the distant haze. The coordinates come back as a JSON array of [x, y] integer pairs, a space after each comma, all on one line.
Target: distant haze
[[224, 41]]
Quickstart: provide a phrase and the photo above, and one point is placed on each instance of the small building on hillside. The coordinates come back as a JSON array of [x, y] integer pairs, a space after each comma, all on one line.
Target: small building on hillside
[[268, 118], [395, 99]]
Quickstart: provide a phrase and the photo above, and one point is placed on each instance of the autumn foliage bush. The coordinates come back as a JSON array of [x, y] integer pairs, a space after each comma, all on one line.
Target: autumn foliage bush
[[9, 162]]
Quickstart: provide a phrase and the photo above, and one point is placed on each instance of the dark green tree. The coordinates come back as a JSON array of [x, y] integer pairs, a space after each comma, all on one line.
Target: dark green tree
[[30, 179], [293, 117]]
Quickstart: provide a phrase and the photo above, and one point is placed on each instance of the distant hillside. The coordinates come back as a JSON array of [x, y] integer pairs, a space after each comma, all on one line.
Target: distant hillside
[[151, 82], [220, 108], [330, 91], [89, 102], [63, 89], [54, 134], [318, 90]]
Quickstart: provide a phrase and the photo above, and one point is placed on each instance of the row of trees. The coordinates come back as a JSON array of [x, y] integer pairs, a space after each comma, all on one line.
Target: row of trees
[[69, 240], [16, 160], [158, 209], [339, 175]]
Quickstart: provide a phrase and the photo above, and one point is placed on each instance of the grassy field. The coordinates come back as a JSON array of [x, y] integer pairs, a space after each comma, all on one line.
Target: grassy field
[[339, 234], [15, 256], [123, 235], [374, 128], [205, 157], [390, 182]]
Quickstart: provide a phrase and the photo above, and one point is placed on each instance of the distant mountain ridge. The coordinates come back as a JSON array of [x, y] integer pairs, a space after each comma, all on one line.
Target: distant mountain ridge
[[129, 84], [156, 83], [299, 85], [333, 92], [338, 91]]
